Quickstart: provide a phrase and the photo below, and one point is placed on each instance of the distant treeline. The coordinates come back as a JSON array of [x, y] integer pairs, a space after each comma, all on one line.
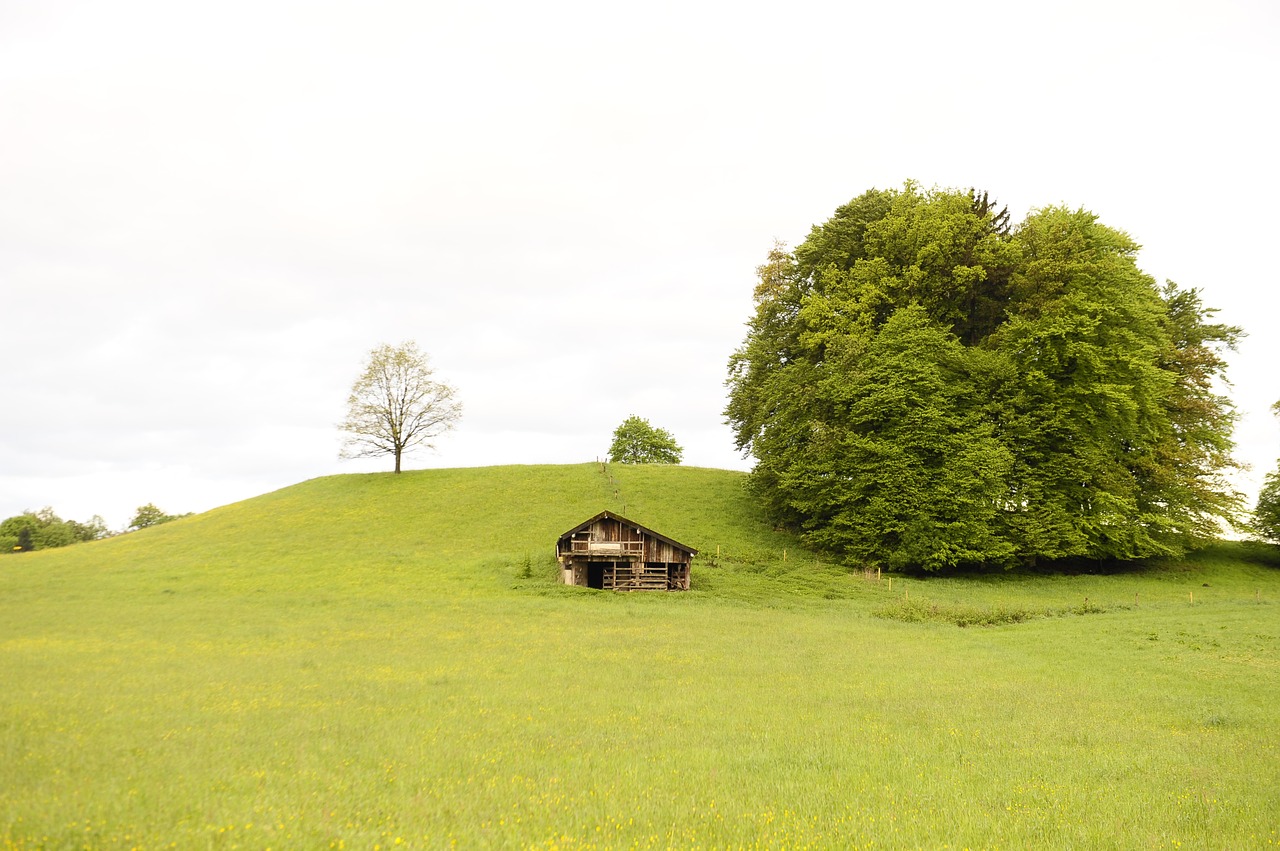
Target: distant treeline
[[43, 529]]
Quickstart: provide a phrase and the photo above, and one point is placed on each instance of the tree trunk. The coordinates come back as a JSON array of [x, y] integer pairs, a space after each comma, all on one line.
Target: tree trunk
[[397, 459]]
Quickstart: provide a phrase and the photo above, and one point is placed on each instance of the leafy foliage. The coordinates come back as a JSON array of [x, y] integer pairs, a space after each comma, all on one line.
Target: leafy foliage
[[43, 529], [1266, 515], [149, 515], [395, 406], [923, 386], [637, 442]]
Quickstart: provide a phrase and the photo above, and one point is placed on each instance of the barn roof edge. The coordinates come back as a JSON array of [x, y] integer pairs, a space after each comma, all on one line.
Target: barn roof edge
[[615, 516]]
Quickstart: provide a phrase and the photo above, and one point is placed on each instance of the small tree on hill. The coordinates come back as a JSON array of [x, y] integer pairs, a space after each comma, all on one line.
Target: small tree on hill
[[1266, 516], [149, 515], [395, 406], [637, 442]]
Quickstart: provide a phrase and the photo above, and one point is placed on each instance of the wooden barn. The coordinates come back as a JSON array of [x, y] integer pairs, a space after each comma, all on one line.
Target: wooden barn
[[617, 554]]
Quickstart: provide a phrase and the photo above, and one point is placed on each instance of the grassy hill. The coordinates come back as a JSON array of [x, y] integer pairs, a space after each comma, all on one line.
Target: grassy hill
[[380, 660]]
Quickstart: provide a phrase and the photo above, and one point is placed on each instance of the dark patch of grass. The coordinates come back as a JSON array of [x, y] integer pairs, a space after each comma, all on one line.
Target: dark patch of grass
[[1210, 555], [1085, 608], [1259, 552], [921, 611]]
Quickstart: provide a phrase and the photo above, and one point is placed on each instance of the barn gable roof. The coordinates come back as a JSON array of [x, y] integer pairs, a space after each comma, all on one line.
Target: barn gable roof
[[618, 517]]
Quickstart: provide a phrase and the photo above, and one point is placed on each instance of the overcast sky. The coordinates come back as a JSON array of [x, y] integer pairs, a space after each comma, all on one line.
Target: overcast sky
[[210, 212]]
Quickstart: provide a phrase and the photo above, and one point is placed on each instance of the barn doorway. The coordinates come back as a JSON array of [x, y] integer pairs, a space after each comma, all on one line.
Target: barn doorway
[[595, 574]]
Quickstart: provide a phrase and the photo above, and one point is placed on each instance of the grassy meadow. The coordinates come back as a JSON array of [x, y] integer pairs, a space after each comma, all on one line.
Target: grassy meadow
[[379, 661]]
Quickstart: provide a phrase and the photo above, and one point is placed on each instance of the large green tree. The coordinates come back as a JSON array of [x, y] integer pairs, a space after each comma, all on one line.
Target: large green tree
[[924, 386]]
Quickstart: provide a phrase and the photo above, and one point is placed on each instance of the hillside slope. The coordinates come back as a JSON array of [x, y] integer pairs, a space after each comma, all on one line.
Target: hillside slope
[[481, 530], [465, 524], [363, 661]]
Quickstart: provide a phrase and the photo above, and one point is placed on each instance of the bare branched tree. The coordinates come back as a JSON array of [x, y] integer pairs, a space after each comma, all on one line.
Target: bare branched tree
[[395, 406]]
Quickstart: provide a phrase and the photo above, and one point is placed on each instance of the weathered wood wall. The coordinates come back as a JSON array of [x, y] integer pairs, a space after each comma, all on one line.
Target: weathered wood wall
[[617, 555], [609, 530]]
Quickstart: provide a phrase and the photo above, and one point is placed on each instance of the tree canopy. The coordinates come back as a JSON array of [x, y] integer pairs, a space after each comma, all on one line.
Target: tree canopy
[[149, 515], [924, 386], [43, 529], [1266, 515], [396, 406], [637, 442]]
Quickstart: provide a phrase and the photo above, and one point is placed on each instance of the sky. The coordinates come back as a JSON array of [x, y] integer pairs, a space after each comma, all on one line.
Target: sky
[[210, 213]]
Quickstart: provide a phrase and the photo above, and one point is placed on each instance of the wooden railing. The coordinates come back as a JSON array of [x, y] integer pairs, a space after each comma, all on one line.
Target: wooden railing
[[607, 548], [637, 577]]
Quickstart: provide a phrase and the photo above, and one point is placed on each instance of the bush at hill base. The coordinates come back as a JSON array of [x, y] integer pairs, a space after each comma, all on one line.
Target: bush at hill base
[[1266, 516], [42, 530], [926, 387]]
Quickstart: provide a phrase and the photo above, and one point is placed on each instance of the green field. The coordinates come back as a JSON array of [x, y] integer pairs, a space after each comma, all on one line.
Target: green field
[[387, 661]]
